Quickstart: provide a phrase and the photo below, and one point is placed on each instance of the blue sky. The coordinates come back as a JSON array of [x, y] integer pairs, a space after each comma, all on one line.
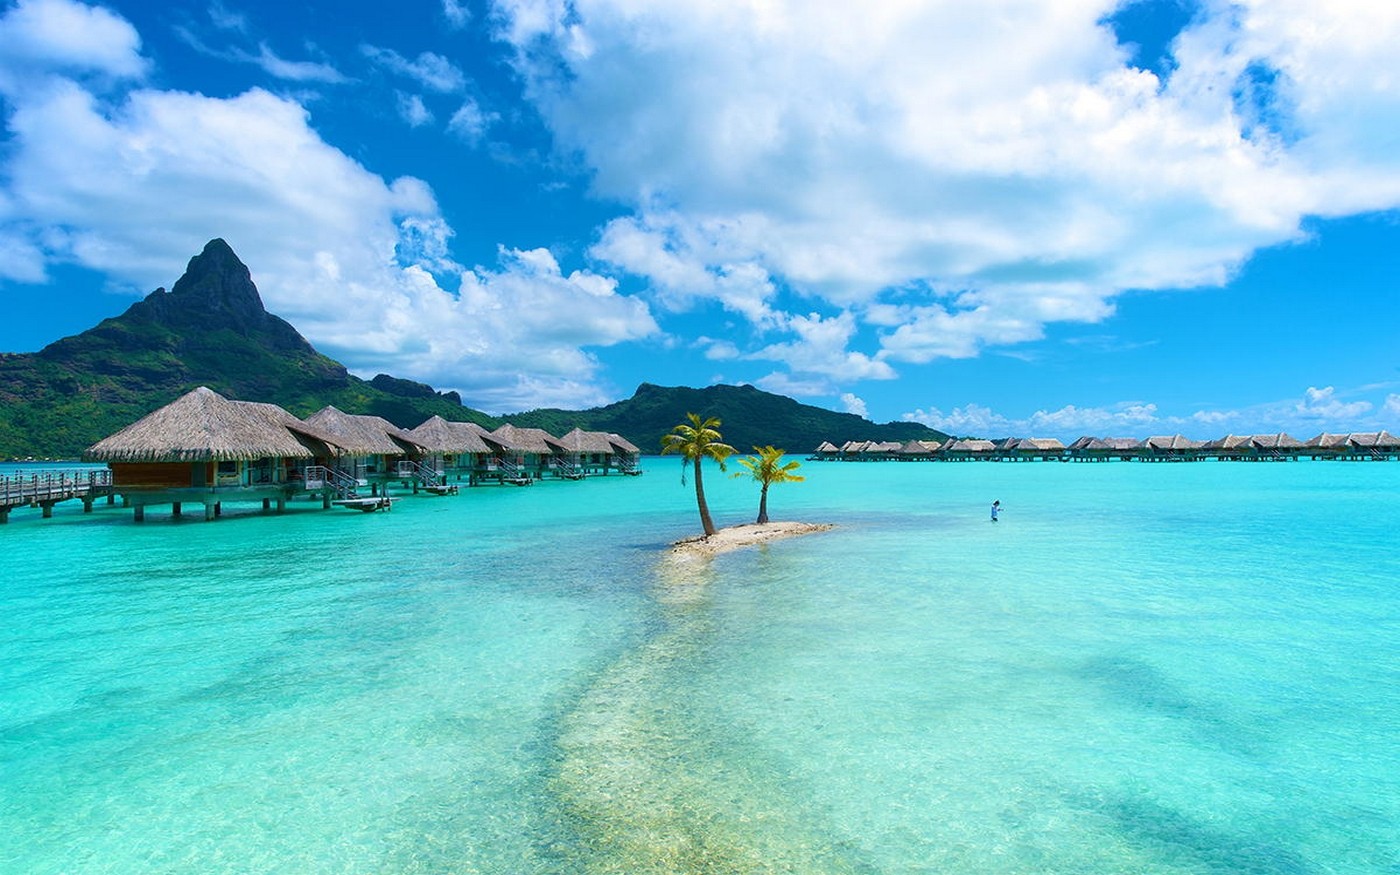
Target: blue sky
[[1010, 217]]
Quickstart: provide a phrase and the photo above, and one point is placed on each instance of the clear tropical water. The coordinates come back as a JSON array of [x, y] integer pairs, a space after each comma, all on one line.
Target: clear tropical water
[[1141, 668]]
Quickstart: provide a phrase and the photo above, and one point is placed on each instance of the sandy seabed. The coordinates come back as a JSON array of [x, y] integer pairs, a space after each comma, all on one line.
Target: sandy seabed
[[734, 537]]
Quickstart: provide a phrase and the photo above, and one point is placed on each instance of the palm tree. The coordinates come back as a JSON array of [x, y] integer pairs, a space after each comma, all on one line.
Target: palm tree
[[695, 441], [767, 468]]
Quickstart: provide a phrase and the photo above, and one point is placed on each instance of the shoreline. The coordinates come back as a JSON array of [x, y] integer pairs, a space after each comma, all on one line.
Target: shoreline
[[746, 535]]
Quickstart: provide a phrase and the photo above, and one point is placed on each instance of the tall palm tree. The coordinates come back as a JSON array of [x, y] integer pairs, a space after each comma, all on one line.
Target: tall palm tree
[[768, 468], [695, 441]]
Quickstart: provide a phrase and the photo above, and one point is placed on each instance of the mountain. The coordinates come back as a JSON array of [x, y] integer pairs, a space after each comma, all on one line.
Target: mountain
[[211, 329], [749, 417]]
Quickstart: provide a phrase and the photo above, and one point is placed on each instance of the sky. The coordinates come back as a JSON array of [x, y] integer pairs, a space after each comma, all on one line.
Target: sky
[[1045, 218]]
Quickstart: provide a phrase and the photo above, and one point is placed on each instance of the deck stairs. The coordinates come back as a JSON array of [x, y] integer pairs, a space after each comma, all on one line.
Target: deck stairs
[[514, 474], [421, 474], [338, 481], [568, 469]]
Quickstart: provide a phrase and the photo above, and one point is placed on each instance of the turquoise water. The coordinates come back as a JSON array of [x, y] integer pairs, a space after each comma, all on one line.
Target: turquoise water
[[1141, 668]]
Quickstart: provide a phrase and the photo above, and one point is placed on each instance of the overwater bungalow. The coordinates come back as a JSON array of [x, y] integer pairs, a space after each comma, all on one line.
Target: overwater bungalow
[[457, 449], [207, 449], [1095, 449], [1274, 447], [1229, 447], [627, 456], [826, 451], [1170, 448], [1032, 449], [534, 452], [918, 450], [375, 452], [585, 452], [967, 449]]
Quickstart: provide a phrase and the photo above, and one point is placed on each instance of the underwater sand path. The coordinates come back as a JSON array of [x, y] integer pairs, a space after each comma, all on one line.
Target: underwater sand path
[[656, 778]]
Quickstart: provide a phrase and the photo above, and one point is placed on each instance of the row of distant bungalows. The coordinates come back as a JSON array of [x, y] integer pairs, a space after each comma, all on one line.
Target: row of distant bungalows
[[1259, 447], [207, 449]]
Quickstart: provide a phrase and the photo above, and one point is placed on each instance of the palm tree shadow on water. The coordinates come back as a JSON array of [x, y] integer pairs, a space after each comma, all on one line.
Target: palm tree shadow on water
[[651, 776]]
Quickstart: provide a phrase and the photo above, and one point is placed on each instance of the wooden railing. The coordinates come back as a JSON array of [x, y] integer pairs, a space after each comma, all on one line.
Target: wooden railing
[[21, 489]]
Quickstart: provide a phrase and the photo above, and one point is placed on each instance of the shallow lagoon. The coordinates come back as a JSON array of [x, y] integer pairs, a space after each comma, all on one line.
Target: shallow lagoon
[[1151, 668]]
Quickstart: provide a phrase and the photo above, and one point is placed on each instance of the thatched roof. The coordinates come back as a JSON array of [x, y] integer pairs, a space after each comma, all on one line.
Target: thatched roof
[[204, 426], [1327, 441], [438, 435], [1039, 444], [623, 445], [528, 440], [1377, 439], [580, 441], [969, 445], [362, 435], [1228, 442], [1274, 441], [828, 447], [1171, 442], [919, 448]]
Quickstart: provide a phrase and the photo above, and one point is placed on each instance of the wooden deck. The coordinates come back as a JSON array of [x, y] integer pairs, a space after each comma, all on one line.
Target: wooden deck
[[49, 488]]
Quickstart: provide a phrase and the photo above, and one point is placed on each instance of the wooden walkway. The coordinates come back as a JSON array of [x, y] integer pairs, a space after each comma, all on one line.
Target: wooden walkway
[[49, 488]]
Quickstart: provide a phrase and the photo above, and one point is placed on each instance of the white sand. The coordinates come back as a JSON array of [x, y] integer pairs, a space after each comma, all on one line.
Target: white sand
[[734, 537]]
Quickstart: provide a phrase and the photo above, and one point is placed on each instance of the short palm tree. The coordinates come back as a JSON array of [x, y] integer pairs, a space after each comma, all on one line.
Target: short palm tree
[[695, 441], [768, 468]]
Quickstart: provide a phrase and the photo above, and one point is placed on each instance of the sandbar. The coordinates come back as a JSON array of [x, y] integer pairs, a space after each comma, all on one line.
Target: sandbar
[[734, 537]]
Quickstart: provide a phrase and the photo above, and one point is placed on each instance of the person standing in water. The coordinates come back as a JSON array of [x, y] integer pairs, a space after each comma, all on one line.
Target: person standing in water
[[996, 509]]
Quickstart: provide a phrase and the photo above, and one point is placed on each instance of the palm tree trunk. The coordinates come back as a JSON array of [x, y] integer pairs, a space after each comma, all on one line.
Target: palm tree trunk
[[763, 505], [705, 521]]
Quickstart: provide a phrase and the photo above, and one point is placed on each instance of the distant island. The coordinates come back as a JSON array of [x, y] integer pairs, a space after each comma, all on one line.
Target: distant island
[[211, 329]]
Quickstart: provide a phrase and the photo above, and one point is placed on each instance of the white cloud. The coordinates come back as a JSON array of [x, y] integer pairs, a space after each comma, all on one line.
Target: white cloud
[[133, 186], [1127, 419], [46, 36], [226, 19], [781, 383], [853, 404], [997, 164], [820, 348], [413, 110], [1324, 404], [292, 71], [430, 70], [456, 13], [471, 123], [1318, 410]]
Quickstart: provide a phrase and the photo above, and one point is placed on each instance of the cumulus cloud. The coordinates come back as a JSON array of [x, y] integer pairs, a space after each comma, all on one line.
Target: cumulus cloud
[[40, 37], [853, 404], [133, 184], [1324, 404], [1392, 407], [958, 175]]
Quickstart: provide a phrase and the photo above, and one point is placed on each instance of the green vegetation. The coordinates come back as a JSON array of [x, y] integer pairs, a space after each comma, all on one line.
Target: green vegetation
[[761, 418], [212, 330], [696, 441], [768, 468]]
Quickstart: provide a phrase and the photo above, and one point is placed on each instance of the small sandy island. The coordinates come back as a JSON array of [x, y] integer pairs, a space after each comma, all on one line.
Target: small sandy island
[[734, 537]]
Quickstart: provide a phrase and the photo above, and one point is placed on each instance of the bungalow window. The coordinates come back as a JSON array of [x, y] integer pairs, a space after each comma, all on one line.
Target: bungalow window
[[227, 474]]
